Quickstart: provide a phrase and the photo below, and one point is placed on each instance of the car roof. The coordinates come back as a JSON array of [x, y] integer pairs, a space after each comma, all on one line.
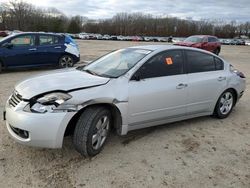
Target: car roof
[[203, 36], [40, 33], [155, 47], [163, 47]]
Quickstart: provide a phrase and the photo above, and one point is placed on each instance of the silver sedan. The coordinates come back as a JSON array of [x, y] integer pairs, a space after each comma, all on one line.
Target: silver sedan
[[127, 89]]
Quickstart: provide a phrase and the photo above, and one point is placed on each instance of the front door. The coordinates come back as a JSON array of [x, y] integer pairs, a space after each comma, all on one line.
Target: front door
[[160, 92], [23, 51]]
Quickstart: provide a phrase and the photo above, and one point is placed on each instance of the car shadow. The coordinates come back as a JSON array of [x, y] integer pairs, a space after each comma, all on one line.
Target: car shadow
[[135, 135]]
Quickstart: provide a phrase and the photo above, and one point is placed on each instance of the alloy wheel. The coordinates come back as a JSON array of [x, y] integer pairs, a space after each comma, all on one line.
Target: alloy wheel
[[101, 132], [226, 103], [66, 61]]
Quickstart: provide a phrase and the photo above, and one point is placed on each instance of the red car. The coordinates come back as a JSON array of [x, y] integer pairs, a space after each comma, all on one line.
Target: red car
[[205, 42], [3, 34]]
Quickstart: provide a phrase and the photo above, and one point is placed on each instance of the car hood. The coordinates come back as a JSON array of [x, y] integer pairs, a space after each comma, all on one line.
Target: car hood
[[62, 80], [185, 43]]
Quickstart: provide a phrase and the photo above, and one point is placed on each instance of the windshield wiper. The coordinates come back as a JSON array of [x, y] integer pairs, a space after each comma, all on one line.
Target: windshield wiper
[[108, 76], [91, 72], [101, 75]]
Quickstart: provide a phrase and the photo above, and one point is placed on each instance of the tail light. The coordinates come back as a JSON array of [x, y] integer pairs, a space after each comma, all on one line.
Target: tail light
[[240, 74], [237, 72]]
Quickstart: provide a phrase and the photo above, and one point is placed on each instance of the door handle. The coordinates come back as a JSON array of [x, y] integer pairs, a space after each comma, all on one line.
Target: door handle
[[181, 86], [32, 49], [221, 78], [58, 47]]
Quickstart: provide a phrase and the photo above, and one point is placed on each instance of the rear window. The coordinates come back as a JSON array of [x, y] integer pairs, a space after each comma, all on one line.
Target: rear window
[[68, 40], [194, 39], [212, 39], [48, 39], [219, 65]]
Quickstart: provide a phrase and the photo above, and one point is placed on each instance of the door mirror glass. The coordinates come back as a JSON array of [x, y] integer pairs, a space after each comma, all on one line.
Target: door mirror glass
[[136, 77]]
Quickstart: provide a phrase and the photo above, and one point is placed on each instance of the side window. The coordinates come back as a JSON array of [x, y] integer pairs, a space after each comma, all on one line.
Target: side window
[[23, 41], [199, 62], [163, 64], [46, 40], [219, 65], [56, 40], [212, 39], [205, 39]]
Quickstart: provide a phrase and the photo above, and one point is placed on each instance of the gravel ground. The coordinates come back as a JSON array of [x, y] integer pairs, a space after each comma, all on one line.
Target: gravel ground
[[202, 152]]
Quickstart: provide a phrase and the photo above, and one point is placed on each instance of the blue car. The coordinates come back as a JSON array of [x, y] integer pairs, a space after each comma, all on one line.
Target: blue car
[[38, 49]]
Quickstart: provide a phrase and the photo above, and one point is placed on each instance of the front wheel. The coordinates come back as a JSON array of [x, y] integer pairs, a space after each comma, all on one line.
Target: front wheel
[[66, 61], [92, 130], [217, 51], [224, 104]]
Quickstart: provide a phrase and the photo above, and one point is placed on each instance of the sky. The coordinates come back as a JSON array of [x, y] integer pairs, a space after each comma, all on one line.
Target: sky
[[192, 9]]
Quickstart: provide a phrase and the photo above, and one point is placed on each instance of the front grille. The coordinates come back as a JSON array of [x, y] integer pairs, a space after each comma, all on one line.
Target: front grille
[[15, 99]]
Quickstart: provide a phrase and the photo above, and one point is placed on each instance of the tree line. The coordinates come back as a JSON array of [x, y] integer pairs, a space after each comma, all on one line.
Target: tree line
[[148, 25], [19, 15]]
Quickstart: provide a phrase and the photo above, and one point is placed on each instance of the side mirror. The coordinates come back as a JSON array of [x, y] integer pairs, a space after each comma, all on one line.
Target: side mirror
[[136, 77], [7, 45]]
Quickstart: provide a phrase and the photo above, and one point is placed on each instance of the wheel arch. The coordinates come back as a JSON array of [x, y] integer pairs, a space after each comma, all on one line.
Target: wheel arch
[[63, 54], [115, 113], [234, 91], [2, 62]]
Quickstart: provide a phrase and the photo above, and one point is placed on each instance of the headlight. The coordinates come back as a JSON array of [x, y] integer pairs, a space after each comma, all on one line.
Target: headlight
[[48, 103]]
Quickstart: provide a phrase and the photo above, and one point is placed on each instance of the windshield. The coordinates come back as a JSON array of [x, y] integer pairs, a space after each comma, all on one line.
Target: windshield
[[5, 38], [193, 39], [116, 63]]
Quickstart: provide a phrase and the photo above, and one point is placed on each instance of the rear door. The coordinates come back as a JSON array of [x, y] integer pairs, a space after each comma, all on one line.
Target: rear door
[[206, 81], [205, 44], [161, 92], [50, 49], [213, 43], [23, 52]]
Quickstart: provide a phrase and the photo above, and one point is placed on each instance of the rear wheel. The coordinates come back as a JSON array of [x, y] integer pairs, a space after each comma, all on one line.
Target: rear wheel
[[225, 104], [92, 130], [66, 61]]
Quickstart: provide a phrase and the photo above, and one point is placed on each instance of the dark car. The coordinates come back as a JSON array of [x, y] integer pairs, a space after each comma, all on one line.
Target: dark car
[[205, 42], [3, 34], [38, 49]]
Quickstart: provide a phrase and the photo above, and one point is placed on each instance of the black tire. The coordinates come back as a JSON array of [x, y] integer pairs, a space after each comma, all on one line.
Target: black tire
[[218, 112], [217, 51], [1, 67], [86, 129], [66, 61]]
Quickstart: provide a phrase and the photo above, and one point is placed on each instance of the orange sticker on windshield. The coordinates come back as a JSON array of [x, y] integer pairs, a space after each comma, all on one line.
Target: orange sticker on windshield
[[169, 61]]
